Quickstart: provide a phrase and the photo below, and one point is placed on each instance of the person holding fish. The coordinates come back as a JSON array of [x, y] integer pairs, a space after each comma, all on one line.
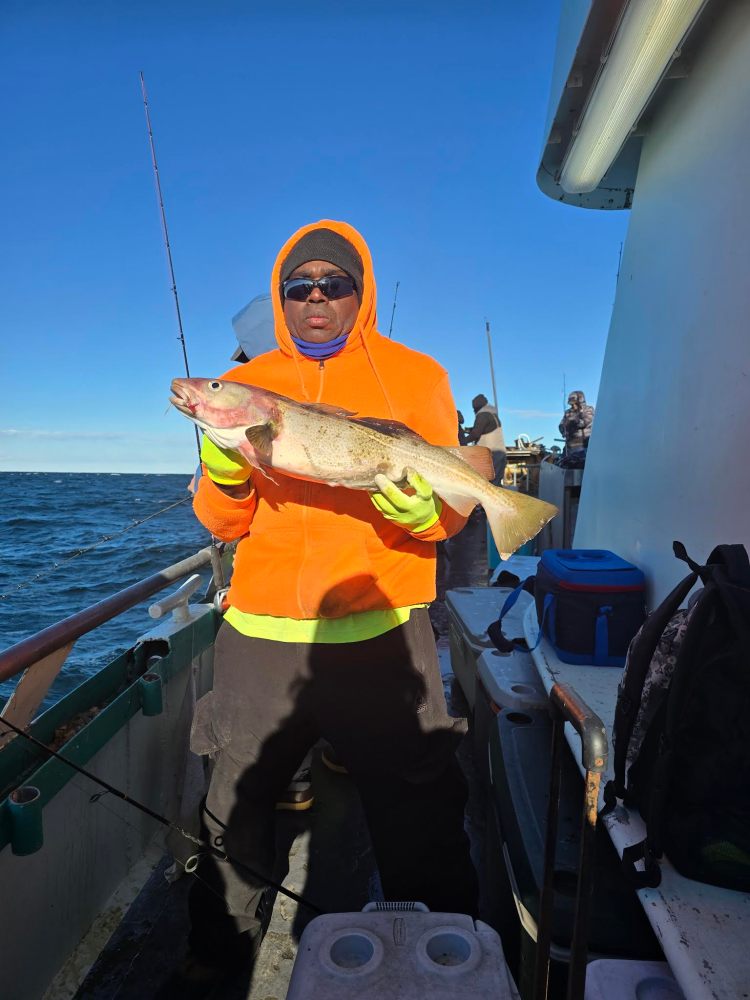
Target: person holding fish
[[327, 633]]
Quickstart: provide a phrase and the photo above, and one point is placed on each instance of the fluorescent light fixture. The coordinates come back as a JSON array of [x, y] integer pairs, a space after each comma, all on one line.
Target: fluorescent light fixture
[[649, 34]]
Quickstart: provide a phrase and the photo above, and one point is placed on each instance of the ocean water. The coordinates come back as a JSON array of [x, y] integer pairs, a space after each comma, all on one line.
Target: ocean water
[[47, 518]]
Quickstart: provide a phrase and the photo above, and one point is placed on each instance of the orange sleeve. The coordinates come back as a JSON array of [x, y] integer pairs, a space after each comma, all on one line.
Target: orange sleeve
[[441, 427], [226, 518]]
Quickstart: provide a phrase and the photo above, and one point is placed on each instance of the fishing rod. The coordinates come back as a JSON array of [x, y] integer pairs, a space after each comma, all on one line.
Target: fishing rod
[[492, 365], [165, 233], [216, 567], [221, 855], [393, 311]]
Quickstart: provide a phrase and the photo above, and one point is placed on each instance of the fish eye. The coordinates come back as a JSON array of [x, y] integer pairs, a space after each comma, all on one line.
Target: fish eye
[[216, 386]]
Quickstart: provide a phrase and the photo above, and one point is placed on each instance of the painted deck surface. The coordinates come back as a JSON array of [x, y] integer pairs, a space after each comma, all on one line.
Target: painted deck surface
[[330, 858]]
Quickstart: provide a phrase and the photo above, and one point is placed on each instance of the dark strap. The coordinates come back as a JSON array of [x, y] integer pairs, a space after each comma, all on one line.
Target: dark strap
[[495, 630], [681, 553], [646, 875]]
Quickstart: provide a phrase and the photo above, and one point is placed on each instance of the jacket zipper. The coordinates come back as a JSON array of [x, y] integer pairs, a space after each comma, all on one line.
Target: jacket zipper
[[306, 497]]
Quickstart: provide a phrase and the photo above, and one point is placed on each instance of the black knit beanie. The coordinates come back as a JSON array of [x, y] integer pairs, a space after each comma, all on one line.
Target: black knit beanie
[[325, 244]]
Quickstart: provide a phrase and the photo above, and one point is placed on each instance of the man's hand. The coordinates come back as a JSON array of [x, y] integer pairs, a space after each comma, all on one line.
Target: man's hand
[[223, 465], [415, 513]]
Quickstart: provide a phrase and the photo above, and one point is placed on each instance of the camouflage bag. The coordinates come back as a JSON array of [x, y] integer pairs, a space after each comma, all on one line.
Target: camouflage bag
[[682, 728]]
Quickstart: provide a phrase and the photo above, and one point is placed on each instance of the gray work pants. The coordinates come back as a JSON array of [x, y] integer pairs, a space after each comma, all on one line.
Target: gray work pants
[[380, 703]]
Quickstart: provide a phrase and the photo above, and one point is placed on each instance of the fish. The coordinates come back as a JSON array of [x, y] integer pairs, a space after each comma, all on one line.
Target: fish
[[328, 444]]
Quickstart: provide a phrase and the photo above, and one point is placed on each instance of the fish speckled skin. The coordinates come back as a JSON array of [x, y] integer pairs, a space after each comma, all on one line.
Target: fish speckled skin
[[330, 445]]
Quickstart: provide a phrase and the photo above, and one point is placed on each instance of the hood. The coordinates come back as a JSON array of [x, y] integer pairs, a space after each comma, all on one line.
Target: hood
[[366, 321]]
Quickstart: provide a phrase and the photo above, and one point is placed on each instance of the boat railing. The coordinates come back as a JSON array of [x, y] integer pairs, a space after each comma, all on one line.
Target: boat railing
[[61, 636]]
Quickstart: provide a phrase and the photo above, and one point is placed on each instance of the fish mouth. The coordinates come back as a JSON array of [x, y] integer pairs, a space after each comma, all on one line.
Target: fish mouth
[[182, 400]]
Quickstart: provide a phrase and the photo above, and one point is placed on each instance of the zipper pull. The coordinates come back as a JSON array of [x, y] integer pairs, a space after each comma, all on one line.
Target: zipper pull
[[321, 364]]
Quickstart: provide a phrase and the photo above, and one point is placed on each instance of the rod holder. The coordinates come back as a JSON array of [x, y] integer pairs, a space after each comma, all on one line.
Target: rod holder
[[177, 602], [25, 808], [152, 702]]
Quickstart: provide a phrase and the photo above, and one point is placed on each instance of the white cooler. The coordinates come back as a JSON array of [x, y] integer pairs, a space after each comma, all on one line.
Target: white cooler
[[388, 952], [616, 979], [505, 681], [470, 611]]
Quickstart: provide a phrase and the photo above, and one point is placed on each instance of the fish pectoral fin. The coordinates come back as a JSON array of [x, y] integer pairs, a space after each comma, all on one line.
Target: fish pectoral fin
[[478, 457], [261, 437], [462, 504]]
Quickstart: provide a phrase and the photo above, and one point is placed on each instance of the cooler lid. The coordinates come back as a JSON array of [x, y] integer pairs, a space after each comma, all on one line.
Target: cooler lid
[[598, 565]]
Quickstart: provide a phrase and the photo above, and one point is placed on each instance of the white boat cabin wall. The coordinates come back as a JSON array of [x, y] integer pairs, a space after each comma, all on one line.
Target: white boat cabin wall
[[667, 458]]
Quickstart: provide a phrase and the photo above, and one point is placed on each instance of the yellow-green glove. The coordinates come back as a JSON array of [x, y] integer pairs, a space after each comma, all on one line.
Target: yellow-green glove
[[223, 465], [415, 513]]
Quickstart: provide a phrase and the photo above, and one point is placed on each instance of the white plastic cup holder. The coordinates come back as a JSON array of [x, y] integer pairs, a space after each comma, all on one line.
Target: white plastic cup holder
[[352, 951], [449, 950]]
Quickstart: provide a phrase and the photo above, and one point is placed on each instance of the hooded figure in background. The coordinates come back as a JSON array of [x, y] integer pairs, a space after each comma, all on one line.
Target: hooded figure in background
[[488, 433], [327, 632], [576, 423]]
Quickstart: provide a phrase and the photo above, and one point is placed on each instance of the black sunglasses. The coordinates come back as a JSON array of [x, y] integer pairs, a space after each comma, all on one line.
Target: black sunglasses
[[332, 286]]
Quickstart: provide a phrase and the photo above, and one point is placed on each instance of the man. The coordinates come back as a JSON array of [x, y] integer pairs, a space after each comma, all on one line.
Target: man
[[488, 432], [576, 423], [462, 438], [327, 632]]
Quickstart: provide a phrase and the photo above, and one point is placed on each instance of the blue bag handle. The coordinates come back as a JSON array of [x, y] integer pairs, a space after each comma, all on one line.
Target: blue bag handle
[[601, 633], [510, 600]]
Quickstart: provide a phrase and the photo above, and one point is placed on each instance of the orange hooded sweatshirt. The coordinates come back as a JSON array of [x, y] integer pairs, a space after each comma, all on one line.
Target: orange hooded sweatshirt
[[311, 551]]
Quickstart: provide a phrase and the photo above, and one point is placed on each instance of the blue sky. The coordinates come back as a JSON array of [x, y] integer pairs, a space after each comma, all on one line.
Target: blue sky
[[420, 123]]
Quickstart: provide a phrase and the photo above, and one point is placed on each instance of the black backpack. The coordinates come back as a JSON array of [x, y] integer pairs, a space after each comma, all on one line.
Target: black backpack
[[682, 728]]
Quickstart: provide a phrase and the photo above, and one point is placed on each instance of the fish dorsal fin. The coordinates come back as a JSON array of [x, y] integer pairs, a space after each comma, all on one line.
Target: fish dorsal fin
[[261, 437], [393, 428], [479, 458], [329, 409]]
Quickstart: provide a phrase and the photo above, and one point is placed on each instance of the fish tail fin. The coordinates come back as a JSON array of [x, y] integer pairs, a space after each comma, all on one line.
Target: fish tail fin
[[526, 518]]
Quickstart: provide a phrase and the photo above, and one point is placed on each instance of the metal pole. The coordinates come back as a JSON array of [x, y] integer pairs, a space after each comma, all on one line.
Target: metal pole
[[393, 311], [492, 366]]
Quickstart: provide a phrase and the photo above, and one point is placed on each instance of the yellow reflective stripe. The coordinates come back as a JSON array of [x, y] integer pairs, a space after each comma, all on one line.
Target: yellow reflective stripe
[[350, 628]]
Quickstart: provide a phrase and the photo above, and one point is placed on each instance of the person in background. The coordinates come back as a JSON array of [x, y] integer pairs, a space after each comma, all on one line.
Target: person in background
[[488, 433], [576, 423], [462, 437], [327, 633]]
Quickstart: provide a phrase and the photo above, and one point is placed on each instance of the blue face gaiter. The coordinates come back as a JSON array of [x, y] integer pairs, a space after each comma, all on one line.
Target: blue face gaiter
[[320, 351]]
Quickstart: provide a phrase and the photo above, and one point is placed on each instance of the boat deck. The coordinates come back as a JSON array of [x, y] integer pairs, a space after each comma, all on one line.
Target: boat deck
[[330, 858]]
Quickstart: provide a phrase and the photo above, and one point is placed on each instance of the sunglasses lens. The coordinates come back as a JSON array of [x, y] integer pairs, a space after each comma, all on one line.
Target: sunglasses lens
[[336, 286], [298, 289]]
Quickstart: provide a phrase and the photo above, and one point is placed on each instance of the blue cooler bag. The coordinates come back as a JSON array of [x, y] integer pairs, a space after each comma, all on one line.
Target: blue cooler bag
[[590, 603]]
